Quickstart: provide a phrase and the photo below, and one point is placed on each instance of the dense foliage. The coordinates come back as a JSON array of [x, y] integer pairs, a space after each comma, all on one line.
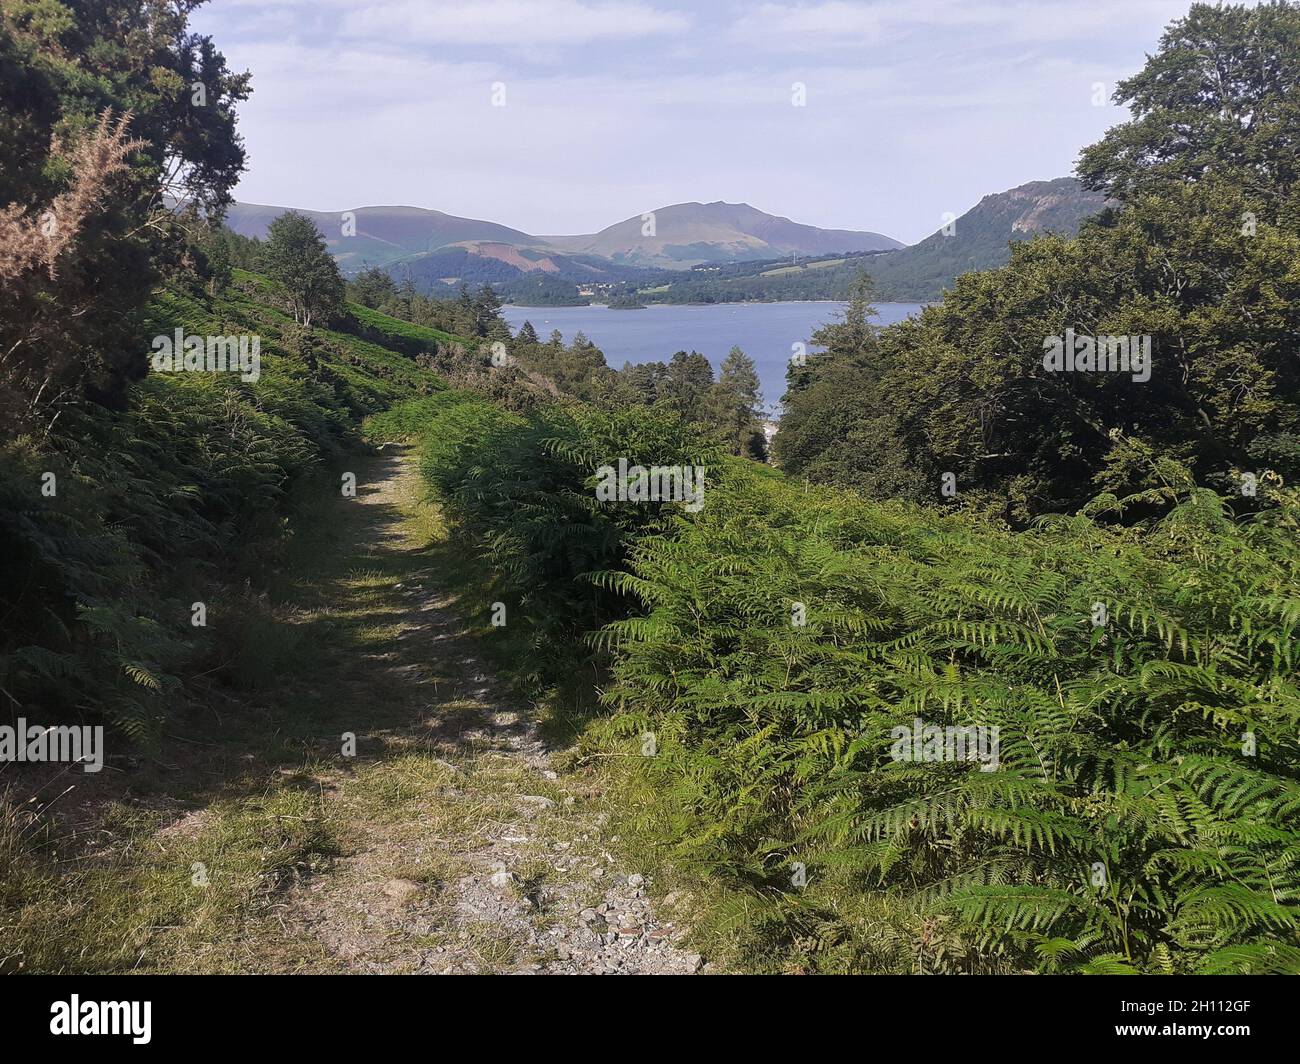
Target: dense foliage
[[517, 483], [469, 313], [168, 501], [1207, 269], [1142, 815]]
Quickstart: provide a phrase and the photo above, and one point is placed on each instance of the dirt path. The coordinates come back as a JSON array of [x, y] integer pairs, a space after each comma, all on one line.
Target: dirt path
[[355, 792], [463, 849]]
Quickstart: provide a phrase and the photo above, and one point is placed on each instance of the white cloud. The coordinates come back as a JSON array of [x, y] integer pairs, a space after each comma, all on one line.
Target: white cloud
[[513, 23], [836, 22], [859, 23]]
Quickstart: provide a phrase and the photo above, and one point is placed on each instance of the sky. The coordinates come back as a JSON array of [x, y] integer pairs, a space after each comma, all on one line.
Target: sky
[[566, 116]]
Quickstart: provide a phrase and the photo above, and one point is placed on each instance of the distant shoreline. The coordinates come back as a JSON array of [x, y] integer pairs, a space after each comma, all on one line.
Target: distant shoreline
[[735, 303]]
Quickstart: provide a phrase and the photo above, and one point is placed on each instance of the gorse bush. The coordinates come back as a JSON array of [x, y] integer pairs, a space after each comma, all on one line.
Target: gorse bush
[[1143, 811]]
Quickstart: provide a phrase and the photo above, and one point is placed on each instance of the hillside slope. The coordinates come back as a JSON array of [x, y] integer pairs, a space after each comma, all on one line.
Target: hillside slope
[[980, 239], [382, 235]]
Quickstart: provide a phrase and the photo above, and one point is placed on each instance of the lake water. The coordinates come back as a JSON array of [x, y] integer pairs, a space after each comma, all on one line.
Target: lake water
[[764, 331]]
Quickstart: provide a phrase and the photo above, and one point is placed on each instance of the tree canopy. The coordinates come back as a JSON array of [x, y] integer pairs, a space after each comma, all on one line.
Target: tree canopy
[[297, 259], [117, 124], [1198, 255]]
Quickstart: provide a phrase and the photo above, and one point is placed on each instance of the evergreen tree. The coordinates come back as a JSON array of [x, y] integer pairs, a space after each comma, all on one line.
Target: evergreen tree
[[734, 406], [686, 386], [825, 400], [216, 260], [488, 303], [373, 287]]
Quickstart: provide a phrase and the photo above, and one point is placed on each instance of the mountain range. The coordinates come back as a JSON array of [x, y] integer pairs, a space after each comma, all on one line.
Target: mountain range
[[686, 252], [674, 237], [687, 234], [980, 239]]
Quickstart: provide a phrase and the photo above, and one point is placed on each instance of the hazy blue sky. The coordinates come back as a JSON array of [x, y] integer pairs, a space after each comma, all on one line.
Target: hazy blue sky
[[614, 107]]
